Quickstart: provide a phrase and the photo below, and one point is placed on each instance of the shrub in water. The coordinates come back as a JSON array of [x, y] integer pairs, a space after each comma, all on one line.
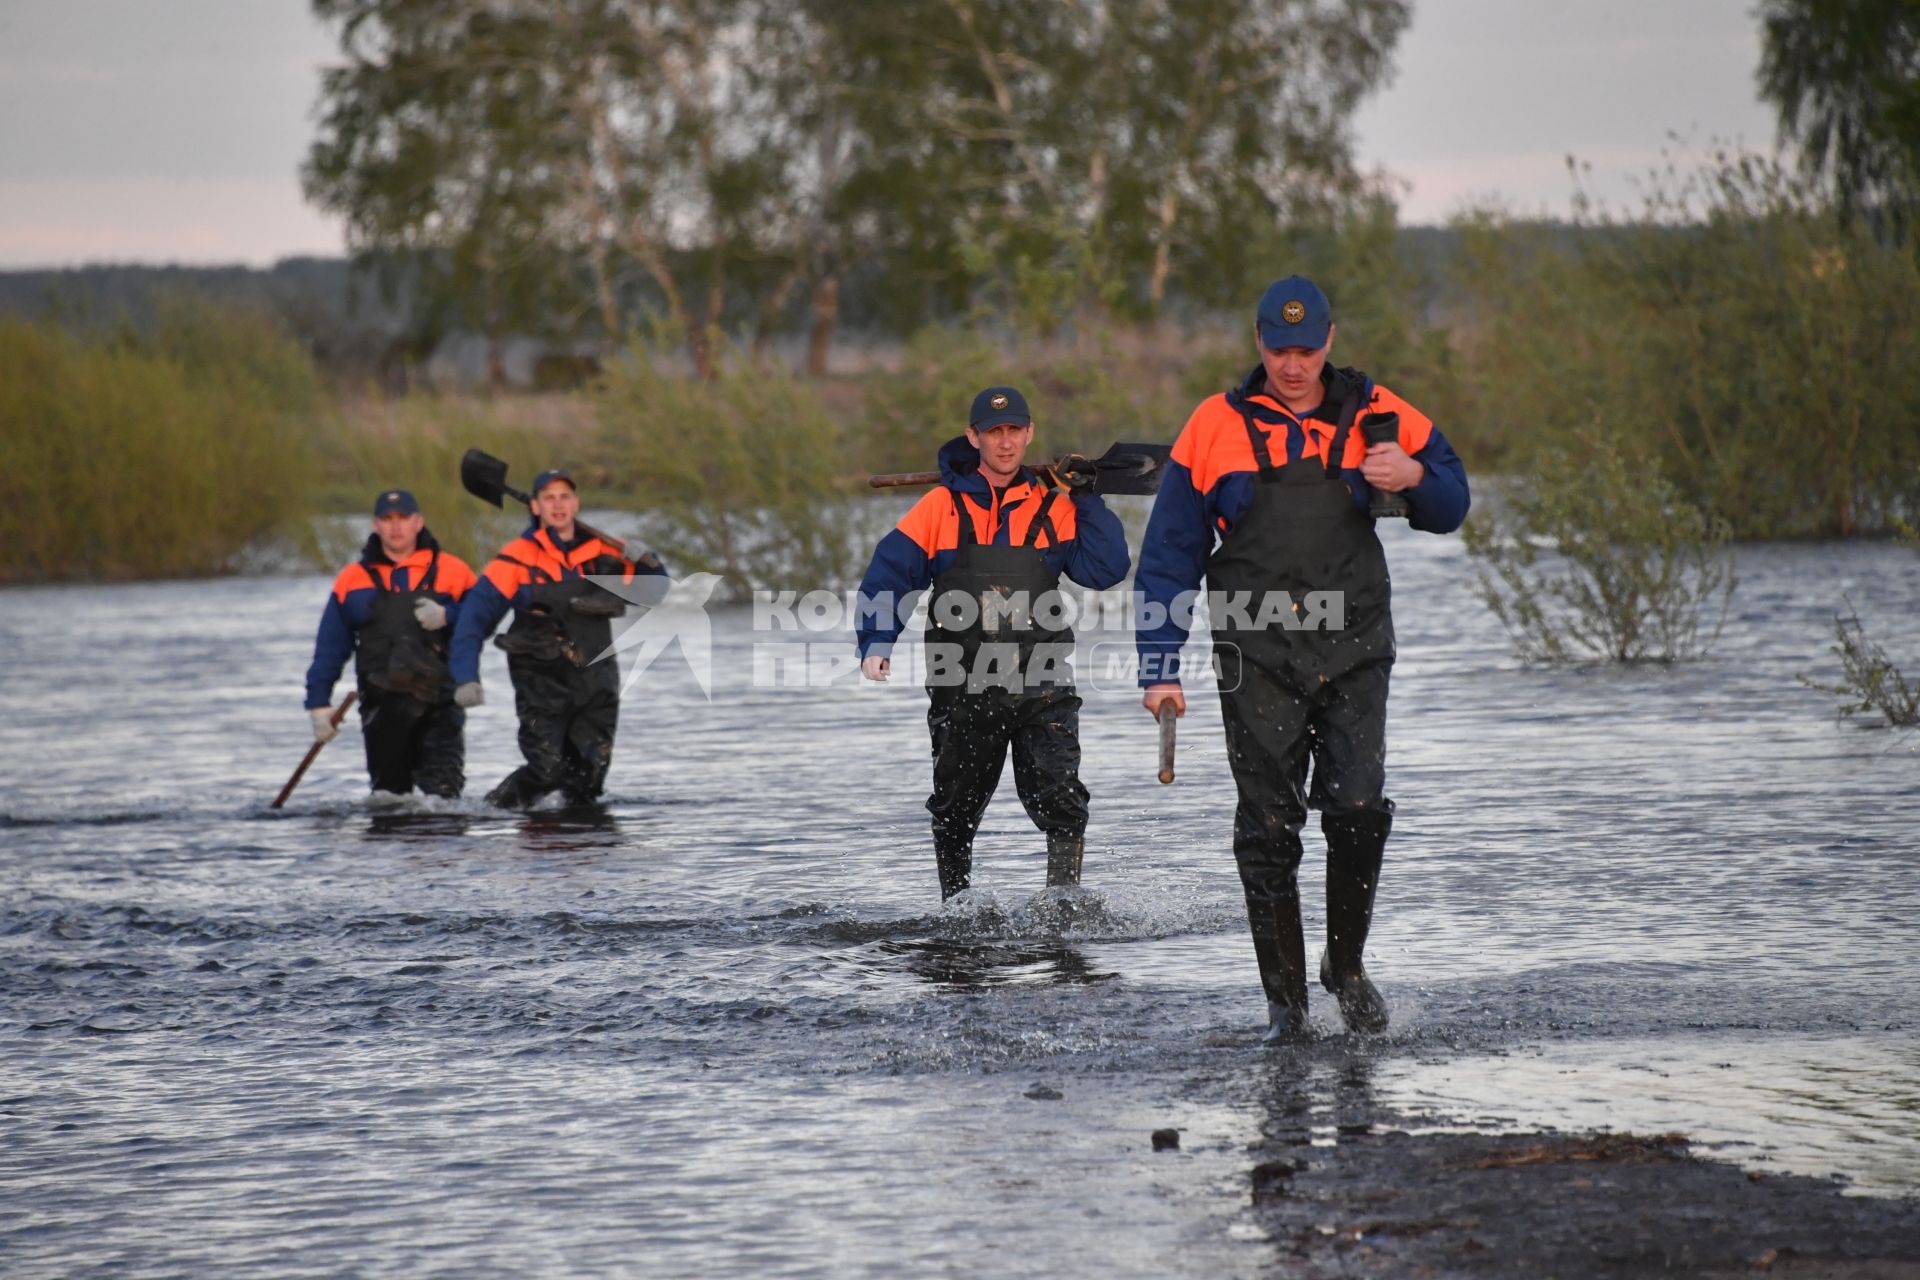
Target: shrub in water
[[1593, 556], [150, 455], [740, 475]]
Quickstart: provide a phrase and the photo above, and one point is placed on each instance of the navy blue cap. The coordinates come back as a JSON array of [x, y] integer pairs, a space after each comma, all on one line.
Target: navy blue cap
[[1294, 313], [999, 406], [395, 502], [548, 476]]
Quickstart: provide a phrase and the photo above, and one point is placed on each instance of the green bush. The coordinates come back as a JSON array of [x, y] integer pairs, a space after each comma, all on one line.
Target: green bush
[[1594, 555], [415, 443], [740, 476], [154, 456], [1869, 681], [1735, 331]]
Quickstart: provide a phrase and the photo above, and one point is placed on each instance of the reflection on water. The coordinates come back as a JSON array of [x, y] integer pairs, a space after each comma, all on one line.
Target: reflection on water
[[975, 966], [726, 1014]]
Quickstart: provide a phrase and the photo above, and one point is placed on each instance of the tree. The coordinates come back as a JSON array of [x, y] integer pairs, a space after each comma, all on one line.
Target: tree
[[715, 157], [1101, 150], [443, 145], [1845, 77]]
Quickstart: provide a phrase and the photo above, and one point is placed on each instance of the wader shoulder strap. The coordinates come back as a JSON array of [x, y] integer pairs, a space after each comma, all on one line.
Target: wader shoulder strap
[[1356, 397], [967, 536], [1043, 519], [384, 585], [1256, 437], [540, 576]]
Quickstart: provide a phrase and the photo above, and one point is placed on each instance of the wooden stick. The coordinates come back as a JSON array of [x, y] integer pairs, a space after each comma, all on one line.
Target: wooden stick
[[1168, 718], [904, 480], [312, 751]]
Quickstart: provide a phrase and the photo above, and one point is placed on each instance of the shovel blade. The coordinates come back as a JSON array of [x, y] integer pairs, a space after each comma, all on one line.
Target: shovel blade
[[1132, 468], [484, 476]]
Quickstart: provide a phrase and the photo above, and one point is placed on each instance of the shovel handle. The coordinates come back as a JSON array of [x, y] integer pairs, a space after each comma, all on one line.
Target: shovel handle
[[1168, 718], [904, 479], [313, 751]]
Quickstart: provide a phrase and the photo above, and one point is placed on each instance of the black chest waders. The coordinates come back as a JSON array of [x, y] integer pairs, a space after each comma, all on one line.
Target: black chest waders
[[412, 730], [565, 692], [1301, 607], [567, 622], [999, 677], [393, 653]]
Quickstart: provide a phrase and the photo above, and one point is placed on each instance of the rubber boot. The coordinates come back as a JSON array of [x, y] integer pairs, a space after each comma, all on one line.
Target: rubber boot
[[1281, 951], [1356, 845], [1064, 853], [954, 861], [512, 791]]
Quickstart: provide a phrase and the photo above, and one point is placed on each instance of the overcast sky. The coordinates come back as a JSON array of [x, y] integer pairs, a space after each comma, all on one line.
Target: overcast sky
[[172, 130]]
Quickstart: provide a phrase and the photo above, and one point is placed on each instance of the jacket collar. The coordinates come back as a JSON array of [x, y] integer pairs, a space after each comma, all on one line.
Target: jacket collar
[[537, 534], [424, 548], [1334, 381]]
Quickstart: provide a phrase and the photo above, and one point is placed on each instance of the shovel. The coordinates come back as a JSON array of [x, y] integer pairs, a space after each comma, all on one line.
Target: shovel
[[1123, 468], [485, 477]]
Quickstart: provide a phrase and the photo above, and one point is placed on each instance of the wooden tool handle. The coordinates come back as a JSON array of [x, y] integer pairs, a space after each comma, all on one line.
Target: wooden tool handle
[[904, 479], [313, 751], [1168, 719]]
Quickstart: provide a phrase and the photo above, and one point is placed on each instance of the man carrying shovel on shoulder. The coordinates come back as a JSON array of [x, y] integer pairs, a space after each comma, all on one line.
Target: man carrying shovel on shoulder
[[391, 610], [568, 703], [992, 540]]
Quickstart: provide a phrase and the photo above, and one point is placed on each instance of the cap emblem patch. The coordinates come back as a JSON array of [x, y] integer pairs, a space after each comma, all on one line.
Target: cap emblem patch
[[999, 400], [1294, 312]]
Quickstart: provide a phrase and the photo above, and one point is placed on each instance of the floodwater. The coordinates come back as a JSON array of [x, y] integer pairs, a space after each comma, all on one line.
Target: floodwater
[[727, 1027]]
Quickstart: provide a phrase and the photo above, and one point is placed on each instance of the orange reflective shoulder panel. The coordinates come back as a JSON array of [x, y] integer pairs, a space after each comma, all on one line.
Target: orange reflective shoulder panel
[[506, 576], [1416, 428], [930, 519], [352, 578], [1216, 444], [455, 577], [1066, 520]]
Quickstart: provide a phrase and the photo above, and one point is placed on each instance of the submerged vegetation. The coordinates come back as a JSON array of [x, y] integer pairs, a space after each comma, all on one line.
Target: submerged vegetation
[[1596, 556], [1869, 684]]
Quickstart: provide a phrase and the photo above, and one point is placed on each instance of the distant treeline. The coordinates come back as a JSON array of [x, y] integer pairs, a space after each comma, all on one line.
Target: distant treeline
[[1737, 338], [368, 326]]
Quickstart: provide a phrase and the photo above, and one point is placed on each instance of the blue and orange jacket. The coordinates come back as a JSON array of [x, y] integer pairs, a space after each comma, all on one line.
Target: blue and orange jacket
[[503, 586], [1210, 481], [1088, 544], [350, 606]]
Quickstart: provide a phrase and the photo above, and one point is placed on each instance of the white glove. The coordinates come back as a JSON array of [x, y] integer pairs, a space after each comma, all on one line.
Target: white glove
[[324, 730], [470, 694], [429, 613]]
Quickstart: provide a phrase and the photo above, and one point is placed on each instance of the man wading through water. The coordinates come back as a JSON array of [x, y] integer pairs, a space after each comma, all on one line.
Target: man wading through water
[[992, 541], [391, 609], [1285, 469], [568, 703]]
